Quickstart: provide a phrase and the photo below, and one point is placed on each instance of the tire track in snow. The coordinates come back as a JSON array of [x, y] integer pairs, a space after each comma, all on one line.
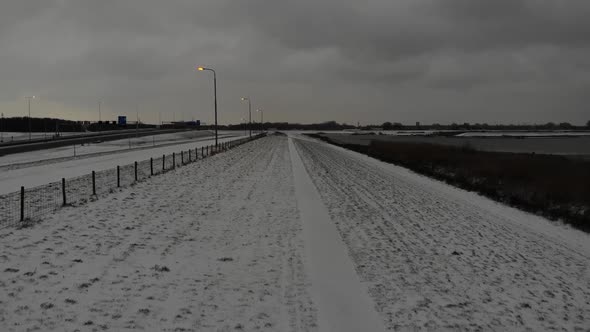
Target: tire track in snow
[[343, 303]]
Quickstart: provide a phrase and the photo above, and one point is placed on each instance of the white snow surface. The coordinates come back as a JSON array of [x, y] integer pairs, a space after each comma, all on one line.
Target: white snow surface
[[524, 134], [439, 258], [212, 246], [223, 244]]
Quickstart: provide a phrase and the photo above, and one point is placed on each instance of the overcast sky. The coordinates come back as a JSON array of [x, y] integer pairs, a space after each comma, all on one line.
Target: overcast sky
[[495, 61]]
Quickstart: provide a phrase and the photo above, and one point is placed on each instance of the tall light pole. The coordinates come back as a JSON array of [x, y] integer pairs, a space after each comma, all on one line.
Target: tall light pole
[[261, 120], [2, 129], [249, 113], [29, 100], [244, 122], [99, 117], [214, 95], [137, 121]]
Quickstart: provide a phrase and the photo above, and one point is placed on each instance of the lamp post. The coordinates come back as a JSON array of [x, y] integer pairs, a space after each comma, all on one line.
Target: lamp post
[[244, 122], [261, 120], [249, 113], [2, 129], [99, 117], [29, 100], [215, 96]]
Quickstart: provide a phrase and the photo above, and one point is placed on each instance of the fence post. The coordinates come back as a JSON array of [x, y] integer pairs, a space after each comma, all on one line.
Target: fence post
[[189, 155], [173, 160], [63, 190], [151, 166], [202, 149], [163, 163], [118, 176], [136, 171], [93, 183], [181, 157], [22, 203], [196, 154]]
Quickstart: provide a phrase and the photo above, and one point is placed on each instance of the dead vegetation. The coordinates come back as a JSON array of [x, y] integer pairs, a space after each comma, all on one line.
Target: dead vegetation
[[552, 186]]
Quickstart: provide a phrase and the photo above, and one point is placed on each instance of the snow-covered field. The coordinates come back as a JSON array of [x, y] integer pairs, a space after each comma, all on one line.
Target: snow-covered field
[[571, 145], [524, 134], [250, 239]]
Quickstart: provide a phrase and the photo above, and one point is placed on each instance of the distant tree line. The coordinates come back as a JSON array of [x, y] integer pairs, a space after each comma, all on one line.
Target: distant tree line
[[21, 124], [333, 125], [484, 126], [329, 125]]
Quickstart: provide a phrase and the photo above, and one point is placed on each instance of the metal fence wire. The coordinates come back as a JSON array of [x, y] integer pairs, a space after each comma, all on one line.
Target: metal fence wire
[[33, 203]]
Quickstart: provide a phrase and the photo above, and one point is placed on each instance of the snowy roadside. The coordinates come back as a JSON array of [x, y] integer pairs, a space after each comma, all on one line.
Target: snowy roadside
[[437, 258], [64, 153], [214, 245], [12, 180]]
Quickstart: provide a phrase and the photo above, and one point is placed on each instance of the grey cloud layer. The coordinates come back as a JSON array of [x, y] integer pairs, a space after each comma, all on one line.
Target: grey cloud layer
[[405, 60]]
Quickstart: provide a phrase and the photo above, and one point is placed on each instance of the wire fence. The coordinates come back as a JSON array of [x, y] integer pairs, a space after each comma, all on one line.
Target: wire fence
[[32, 203]]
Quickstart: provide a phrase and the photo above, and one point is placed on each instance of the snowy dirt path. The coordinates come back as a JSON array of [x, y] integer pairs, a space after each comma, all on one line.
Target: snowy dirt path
[[437, 258], [343, 302], [212, 246]]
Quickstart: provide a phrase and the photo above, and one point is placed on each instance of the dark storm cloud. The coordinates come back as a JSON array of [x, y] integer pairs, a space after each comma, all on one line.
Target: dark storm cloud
[[406, 60]]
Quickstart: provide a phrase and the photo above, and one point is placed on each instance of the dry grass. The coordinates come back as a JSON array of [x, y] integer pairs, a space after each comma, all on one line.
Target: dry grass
[[553, 186]]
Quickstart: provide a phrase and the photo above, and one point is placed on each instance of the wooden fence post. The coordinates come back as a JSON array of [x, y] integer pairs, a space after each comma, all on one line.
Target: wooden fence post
[[118, 176], [22, 203], [63, 190], [93, 183]]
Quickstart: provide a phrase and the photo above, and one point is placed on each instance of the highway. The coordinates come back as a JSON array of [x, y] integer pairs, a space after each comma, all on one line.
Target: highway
[[40, 144]]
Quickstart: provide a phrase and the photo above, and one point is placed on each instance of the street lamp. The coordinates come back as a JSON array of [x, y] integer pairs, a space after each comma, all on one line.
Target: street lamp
[[244, 122], [249, 113], [29, 100], [261, 120], [99, 116], [215, 96]]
